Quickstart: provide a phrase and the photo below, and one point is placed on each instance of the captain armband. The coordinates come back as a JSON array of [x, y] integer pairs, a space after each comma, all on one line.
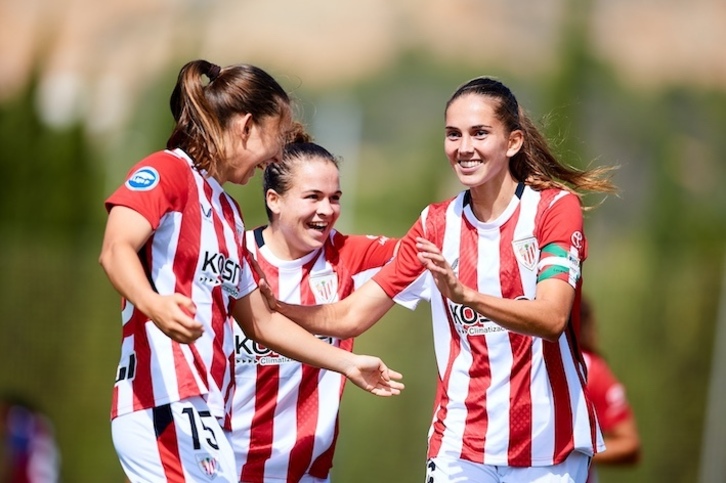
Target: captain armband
[[556, 262]]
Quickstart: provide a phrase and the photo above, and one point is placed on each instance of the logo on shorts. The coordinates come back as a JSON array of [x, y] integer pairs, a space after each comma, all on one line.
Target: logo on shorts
[[143, 179], [208, 465]]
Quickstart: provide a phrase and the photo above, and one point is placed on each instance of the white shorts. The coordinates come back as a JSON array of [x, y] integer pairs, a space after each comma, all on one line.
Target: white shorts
[[450, 470], [176, 442], [304, 479]]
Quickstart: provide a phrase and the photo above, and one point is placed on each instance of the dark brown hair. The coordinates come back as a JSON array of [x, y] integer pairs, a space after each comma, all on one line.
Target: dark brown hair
[[534, 164], [299, 149], [203, 111]]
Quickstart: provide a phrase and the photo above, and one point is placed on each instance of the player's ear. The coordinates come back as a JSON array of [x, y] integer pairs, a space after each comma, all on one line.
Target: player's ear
[[272, 198], [516, 139]]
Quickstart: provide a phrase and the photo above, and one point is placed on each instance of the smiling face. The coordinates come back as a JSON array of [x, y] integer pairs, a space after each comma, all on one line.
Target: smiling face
[[307, 211], [477, 143], [253, 145]]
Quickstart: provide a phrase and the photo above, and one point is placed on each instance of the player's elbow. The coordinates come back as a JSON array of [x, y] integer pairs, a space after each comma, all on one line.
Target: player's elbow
[[633, 452], [554, 328]]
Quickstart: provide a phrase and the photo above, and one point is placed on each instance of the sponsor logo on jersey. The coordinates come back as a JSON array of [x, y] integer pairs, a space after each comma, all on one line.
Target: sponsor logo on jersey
[[576, 239], [143, 179], [220, 270], [527, 252], [209, 465], [469, 322], [250, 352]]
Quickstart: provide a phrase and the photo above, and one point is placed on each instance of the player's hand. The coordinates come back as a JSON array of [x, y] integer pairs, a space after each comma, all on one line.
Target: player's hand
[[372, 375], [174, 316], [444, 277]]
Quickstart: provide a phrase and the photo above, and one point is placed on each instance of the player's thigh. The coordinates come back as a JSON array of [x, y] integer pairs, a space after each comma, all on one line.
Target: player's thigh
[[180, 441], [573, 470], [454, 470]]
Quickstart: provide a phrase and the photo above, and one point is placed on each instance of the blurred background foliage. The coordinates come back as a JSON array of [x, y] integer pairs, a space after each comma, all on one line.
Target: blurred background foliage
[[653, 274]]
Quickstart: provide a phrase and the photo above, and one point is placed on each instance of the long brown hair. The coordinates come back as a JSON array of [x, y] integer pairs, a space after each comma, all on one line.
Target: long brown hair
[[203, 110], [534, 164]]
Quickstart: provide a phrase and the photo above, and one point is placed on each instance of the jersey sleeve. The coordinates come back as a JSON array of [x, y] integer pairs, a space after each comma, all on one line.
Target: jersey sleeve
[[249, 278], [404, 279], [157, 185], [364, 255], [607, 394], [563, 244]]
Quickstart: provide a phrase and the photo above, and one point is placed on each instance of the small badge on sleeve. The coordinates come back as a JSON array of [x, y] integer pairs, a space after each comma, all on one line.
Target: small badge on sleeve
[[143, 179]]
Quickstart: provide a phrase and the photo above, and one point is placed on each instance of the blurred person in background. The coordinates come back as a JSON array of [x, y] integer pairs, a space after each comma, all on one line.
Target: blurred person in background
[[285, 414], [28, 451], [614, 413], [501, 265], [174, 249]]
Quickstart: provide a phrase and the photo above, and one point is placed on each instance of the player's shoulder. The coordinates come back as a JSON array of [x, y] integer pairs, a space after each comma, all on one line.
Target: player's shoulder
[[461, 197], [340, 241], [559, 197], [157, 167]]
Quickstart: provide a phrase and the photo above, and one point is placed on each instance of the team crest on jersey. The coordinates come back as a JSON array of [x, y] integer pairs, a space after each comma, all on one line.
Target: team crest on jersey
[[209, 465], [143, 179], [324, 286], [527, 252]]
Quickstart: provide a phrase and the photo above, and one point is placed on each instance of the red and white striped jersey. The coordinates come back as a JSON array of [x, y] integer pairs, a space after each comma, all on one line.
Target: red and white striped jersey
[[503, 398], [285, 413], [196, 249]]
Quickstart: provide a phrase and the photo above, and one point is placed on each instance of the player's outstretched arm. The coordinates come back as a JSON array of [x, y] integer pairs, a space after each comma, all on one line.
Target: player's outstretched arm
[[347, 318], [278, 333]]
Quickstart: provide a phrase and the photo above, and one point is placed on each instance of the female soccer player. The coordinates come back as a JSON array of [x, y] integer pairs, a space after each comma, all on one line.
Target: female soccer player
[[285, 414], [174, 249], [501, 265]]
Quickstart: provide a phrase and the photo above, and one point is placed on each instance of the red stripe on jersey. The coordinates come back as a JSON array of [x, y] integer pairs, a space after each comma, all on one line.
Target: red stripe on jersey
[[219, 362], [321, 466], [520, 378], [307, 397], [520, 414], [307, 420], [266, 389], [114, 402], [168, 446], [262, 427], [563, 437], [480, 371], [142, 385], [184, 269]]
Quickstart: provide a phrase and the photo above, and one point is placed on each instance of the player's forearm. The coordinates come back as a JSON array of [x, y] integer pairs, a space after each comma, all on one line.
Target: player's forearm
[[285, 337], [327, 320], [622, 443], [545, 316]]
